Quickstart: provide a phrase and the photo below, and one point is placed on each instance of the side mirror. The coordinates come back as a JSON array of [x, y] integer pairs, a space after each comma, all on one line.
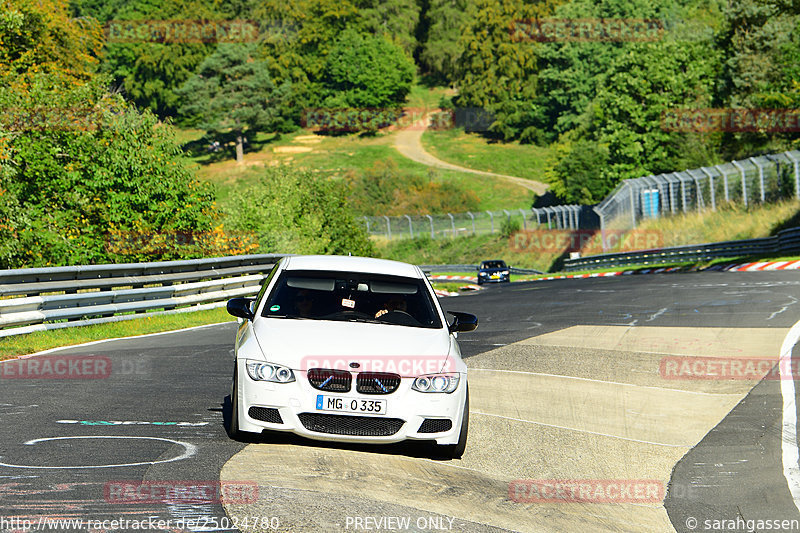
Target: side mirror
[[463, 322], [240, 307]]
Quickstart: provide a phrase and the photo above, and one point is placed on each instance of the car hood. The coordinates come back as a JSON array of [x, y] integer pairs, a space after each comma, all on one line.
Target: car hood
[[304, 344]]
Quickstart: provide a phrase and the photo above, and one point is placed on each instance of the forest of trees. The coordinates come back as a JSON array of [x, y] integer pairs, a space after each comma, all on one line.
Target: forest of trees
[[598, 102]]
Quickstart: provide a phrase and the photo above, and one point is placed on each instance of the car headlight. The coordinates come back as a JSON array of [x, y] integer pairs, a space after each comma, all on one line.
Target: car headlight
[[483, 273], [269, 372], [446, 383], [504, 272]]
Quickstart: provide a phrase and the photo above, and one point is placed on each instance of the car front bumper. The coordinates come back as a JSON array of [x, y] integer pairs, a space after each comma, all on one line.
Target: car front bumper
[[296, 404], [491, 279]]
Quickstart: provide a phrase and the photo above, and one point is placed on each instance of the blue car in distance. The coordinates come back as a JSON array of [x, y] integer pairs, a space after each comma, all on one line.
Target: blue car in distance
[[493, 271]]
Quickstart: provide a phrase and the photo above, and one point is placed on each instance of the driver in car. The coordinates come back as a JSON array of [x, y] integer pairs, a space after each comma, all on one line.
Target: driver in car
[[395, 302], [304, 303]]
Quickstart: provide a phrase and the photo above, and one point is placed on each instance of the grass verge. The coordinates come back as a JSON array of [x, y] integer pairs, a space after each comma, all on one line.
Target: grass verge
[[472, 150], [728, 223], [463, 250], [44, 340]]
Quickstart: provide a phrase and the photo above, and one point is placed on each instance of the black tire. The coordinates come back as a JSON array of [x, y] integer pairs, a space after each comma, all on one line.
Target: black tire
[[455, 451], [233, 425]]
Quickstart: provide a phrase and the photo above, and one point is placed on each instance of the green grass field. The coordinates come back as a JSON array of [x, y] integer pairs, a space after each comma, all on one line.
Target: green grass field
[[727, 223], [44, 340], [475, 151], [338, 155]]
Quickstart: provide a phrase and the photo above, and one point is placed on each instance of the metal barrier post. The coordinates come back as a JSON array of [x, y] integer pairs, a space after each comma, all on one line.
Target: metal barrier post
[[491, 218], [452, 224], [710, 187], [760, 177], [725, 180], [796, 175], [388, 228], [744, 181], [473, 221], [633, 206], [430, 218], [410, 226], [683, 190]]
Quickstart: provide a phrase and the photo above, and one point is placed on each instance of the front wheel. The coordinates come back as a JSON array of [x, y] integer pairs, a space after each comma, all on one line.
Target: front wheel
[[233, 425], [455, 451]]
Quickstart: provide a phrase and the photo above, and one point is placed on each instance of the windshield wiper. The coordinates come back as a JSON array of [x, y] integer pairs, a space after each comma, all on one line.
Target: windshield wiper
[[359, 319]]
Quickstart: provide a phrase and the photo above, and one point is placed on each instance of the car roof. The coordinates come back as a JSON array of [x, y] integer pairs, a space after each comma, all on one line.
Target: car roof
[[352, 264]]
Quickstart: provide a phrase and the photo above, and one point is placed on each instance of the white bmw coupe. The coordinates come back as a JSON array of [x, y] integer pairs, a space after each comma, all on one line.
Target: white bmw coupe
[[350, 349]]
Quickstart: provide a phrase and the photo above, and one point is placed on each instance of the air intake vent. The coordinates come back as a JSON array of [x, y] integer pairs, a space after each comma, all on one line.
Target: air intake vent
[[329, 380], [265, 414], [362, 426], [435, 425], [377, 383]]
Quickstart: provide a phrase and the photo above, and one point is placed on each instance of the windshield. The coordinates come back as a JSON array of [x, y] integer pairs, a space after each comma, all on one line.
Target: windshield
[[493, 264], [353, 297]]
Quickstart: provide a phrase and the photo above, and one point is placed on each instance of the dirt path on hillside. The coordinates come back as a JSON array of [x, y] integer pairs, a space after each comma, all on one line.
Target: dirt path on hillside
[[409, 143]]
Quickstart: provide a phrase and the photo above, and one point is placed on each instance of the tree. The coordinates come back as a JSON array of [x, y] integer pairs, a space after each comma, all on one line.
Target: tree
[[383, 190], [147, 71], [41, 37], [496, 72], [440, 50], [233, 91], [297, 55], [86, 165], [394, 20], [761, 46], [576, 174], [293, 211], [366, 71], [649, 79]]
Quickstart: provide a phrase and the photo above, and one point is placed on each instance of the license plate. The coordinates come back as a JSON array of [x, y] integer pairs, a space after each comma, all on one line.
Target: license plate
[[495, 276], [350, 405]]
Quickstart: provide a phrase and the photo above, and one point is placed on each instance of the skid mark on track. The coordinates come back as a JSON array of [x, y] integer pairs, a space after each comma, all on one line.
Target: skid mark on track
[[526, 425]]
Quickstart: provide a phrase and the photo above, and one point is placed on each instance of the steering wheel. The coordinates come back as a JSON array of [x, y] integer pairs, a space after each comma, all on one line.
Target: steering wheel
[[344, 313], [400, 317]]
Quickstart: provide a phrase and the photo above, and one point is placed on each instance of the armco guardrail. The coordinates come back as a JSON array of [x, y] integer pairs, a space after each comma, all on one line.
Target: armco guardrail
[[473, 268], [36, 299], [785, 242]]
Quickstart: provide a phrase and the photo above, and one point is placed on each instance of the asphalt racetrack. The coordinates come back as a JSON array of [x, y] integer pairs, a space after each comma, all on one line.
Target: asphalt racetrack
[[594, 407]]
